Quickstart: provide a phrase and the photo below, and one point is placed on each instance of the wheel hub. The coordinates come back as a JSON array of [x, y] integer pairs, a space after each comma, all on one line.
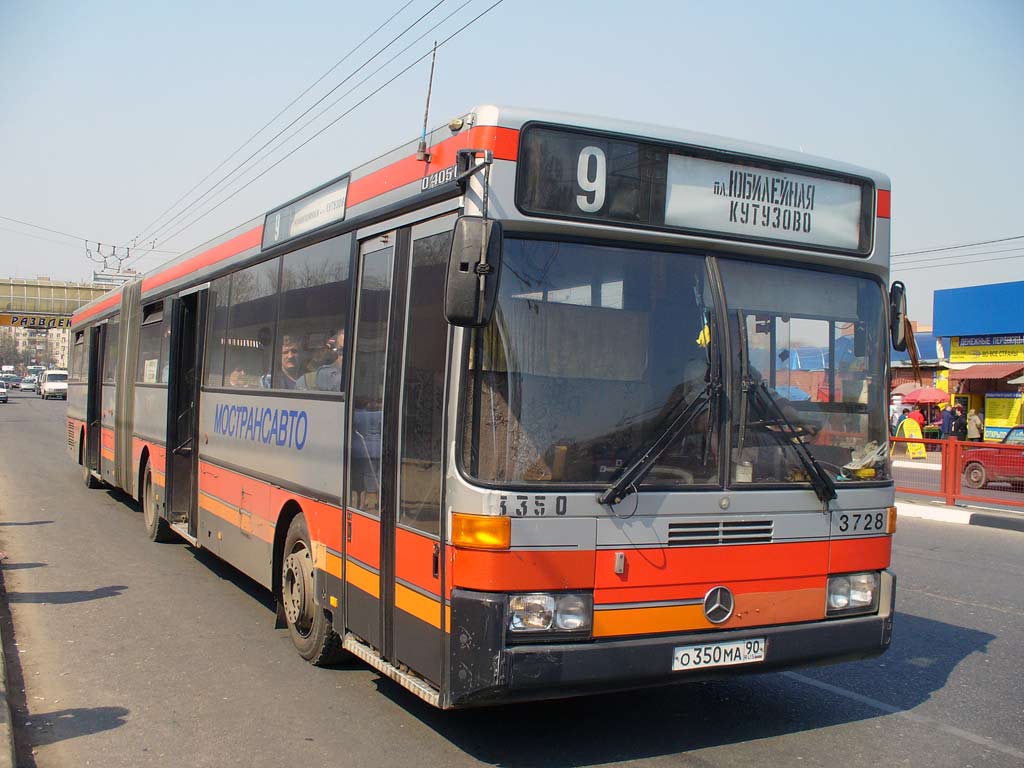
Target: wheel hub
[[296, 588]]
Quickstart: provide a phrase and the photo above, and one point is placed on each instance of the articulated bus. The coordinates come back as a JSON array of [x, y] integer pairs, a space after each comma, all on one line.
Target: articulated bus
[[549, 405]]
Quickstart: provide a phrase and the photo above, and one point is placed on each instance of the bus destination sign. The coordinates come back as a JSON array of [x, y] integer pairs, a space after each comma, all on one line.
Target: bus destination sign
[[616, 180], [317, 209]]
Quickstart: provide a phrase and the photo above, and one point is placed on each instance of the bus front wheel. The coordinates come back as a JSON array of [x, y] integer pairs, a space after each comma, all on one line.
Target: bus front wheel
[[308, 624], [157, 527]]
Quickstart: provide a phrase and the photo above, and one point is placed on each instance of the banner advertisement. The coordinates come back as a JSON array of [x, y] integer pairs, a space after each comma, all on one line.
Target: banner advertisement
[[31, 320], [1002, 411], [987, 349]]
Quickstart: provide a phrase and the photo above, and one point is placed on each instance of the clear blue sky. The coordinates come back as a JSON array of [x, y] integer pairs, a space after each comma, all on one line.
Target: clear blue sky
[[109, 111]]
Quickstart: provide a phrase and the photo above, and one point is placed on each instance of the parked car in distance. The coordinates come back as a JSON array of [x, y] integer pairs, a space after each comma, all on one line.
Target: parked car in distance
[[997, 464], [3, 392], [29, 384], [54, 384]]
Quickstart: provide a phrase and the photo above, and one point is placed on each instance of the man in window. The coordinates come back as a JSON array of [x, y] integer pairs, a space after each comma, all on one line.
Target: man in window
[[290, 371], [327, 377]]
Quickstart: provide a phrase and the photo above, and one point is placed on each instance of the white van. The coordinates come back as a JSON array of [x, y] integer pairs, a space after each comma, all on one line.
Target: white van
[[54, 384]]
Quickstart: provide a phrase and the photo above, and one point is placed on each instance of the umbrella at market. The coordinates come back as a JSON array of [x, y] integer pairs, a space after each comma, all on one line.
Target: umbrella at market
[[906, 388], [927, 395]]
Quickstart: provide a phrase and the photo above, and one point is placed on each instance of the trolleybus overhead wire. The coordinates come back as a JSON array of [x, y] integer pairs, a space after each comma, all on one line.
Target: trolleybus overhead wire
[[347, 112], [163, 227]]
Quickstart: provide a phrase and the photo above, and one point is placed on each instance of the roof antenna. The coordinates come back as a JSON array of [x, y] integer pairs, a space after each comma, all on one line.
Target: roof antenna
[[421, 152]]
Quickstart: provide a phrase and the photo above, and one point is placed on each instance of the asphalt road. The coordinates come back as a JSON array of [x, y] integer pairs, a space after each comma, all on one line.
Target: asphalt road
[[129, 653]]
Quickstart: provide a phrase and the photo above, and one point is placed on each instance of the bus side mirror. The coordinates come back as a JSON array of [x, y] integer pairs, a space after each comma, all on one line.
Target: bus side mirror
[[474, 268], [898, 316]]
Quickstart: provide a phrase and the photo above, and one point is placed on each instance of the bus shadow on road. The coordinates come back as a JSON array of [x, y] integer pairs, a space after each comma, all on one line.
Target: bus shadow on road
[[656, 722], [62, 724], [67, 596]]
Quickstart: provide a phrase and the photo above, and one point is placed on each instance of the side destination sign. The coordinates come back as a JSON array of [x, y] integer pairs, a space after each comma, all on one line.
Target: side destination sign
[[319, 208], [611, 179]]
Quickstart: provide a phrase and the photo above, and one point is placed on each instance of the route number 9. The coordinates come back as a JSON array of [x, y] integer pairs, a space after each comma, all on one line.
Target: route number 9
[[592, 179]]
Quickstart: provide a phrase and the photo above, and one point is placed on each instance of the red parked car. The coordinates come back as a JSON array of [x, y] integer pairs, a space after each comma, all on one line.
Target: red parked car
[[996, 465]]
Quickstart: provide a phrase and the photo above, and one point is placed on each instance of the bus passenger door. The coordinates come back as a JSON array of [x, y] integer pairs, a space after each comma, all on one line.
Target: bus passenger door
[[364, 508], [393, 532], [185, 376], [94, 397]]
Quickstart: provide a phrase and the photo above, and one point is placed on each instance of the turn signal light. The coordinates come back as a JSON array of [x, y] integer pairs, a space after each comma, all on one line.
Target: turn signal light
[[481, 531], [890, 520]]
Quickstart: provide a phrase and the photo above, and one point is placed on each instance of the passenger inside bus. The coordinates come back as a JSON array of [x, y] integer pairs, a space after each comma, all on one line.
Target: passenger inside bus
[[325, 371], [290, 371]]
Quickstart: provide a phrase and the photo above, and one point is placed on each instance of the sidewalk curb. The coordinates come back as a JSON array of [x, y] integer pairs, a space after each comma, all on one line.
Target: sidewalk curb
[[8, 757], [1007, 521]]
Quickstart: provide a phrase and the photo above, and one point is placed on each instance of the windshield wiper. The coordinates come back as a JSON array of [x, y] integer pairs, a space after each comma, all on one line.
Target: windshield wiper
[[776, 423], [626, 482]]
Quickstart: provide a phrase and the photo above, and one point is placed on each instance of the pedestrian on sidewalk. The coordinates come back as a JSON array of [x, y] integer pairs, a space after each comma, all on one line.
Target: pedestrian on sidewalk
[[947, 421], [975, 428], [918, 415], [960, 423]]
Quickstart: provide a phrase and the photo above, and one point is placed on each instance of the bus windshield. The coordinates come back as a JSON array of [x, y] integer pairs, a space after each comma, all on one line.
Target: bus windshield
[[814, 343], [593, 349]]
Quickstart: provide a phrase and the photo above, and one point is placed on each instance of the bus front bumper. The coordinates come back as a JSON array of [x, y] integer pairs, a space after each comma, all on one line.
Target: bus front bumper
[[486, 670]]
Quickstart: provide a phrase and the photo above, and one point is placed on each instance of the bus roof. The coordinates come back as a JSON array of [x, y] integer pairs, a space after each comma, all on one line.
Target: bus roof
[[391, 177]]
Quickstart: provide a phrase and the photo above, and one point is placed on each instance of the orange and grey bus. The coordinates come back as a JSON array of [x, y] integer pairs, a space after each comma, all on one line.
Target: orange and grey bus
[[558, 405]]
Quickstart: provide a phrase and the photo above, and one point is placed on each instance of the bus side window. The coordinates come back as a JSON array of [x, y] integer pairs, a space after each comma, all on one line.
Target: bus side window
[[110, 351], [216, 342], [423, 400], [315, 286], [251, 320]]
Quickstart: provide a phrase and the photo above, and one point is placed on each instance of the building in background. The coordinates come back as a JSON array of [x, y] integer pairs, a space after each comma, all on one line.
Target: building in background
[[985, 328], [23, 344]]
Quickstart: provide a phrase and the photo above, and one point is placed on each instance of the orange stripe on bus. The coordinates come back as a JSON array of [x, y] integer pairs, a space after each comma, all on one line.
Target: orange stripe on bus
[[243, 242], [697, 565], [516, 571], [414, 557], [361, 578], [420, 606], [849, 555], [503, 142], [753, 609]]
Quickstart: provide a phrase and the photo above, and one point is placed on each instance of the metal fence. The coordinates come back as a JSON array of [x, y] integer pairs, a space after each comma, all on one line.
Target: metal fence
[[955, 470]]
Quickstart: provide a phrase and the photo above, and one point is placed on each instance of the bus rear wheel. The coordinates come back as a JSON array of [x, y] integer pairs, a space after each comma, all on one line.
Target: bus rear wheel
[[88, 478], [308, 624], [157, 528]]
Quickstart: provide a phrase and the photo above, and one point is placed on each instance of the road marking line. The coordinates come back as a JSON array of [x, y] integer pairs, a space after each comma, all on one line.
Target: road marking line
[[952, 730]]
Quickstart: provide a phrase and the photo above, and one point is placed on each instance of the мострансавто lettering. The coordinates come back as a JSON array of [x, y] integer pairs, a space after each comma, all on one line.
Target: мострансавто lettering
[[270, 426], [766, 201]]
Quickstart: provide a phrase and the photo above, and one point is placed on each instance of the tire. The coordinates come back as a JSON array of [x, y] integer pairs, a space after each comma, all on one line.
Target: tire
[[975, 475], [308, 624], [157, 528]]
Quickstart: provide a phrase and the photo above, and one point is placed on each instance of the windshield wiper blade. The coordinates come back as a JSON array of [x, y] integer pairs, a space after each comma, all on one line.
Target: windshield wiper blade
[[764, 402], [638, 469]]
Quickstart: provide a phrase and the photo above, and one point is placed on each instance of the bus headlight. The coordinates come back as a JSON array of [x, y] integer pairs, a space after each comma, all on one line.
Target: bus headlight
[[554, 613], [852, 593]]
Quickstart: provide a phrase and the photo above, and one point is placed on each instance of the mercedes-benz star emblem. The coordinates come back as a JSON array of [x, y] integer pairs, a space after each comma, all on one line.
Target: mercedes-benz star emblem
[[718, 604]]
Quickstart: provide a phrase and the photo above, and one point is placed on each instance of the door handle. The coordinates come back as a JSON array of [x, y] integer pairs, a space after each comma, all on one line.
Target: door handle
[[436, 560]]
